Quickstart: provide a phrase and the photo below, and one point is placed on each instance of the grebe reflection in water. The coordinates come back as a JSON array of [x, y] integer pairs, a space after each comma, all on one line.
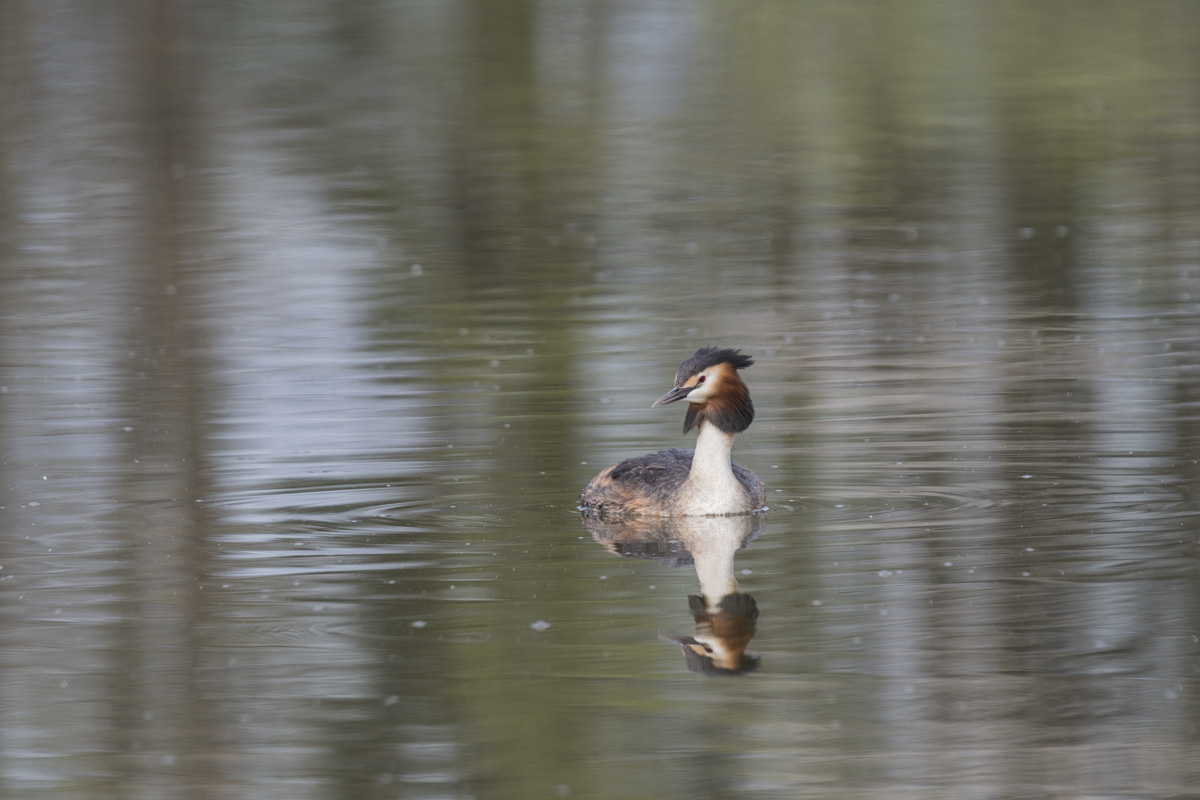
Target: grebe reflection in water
[[726, 619]]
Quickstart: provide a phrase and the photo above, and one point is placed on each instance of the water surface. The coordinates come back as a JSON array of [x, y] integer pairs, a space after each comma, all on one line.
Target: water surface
[[315, 317]]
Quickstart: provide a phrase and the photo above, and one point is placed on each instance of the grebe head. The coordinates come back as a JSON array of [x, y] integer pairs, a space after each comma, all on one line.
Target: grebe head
[[709, 381]]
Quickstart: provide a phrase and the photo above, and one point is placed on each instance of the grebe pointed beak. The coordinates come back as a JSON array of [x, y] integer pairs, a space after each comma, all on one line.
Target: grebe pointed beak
[[678, 393]]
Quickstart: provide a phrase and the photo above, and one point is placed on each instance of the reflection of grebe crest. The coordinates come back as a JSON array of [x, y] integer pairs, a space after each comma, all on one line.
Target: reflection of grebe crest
[[704, 665]]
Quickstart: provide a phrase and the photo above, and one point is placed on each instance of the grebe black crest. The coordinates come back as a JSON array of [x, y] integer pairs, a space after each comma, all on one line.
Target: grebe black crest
[[690, 482]]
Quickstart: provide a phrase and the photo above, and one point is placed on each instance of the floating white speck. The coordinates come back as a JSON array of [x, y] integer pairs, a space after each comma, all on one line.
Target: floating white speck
[[540, 625], [1026, 477], [419, 623], [817, 603], [391, 700], [885, 573], [947, 563]]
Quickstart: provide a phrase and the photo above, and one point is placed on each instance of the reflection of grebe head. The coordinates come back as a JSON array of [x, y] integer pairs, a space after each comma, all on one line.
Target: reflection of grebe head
[[719, 647]]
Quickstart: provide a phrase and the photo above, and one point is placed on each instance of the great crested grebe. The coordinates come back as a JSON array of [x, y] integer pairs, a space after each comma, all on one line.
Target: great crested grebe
[[690, 482]]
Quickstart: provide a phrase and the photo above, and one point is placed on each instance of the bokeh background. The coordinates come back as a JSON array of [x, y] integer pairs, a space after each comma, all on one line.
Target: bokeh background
[[315, 316]]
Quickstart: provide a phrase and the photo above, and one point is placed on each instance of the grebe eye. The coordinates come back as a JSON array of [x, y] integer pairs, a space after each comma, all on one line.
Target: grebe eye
[[701, 379]]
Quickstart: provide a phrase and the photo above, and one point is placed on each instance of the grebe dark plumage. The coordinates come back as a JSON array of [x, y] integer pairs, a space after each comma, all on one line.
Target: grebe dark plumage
[[690, 482]]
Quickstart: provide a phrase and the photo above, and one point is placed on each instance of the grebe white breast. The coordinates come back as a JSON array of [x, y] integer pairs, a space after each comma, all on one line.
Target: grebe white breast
[[690, 482]]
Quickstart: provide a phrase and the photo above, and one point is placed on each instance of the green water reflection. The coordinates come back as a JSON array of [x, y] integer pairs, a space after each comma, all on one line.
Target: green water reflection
[[315, 317]]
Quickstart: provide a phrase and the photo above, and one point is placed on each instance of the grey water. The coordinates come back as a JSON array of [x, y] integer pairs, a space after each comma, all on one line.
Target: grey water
[[315, 317]]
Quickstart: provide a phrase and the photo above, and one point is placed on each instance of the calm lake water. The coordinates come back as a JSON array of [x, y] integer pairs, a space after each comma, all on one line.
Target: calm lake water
[[315, 317]]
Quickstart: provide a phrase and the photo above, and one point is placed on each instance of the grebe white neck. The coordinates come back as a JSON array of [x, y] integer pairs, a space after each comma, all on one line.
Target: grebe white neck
[[711, 486]]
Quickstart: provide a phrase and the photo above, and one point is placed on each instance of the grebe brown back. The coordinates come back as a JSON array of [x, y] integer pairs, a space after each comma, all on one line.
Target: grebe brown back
[[690, 482]]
